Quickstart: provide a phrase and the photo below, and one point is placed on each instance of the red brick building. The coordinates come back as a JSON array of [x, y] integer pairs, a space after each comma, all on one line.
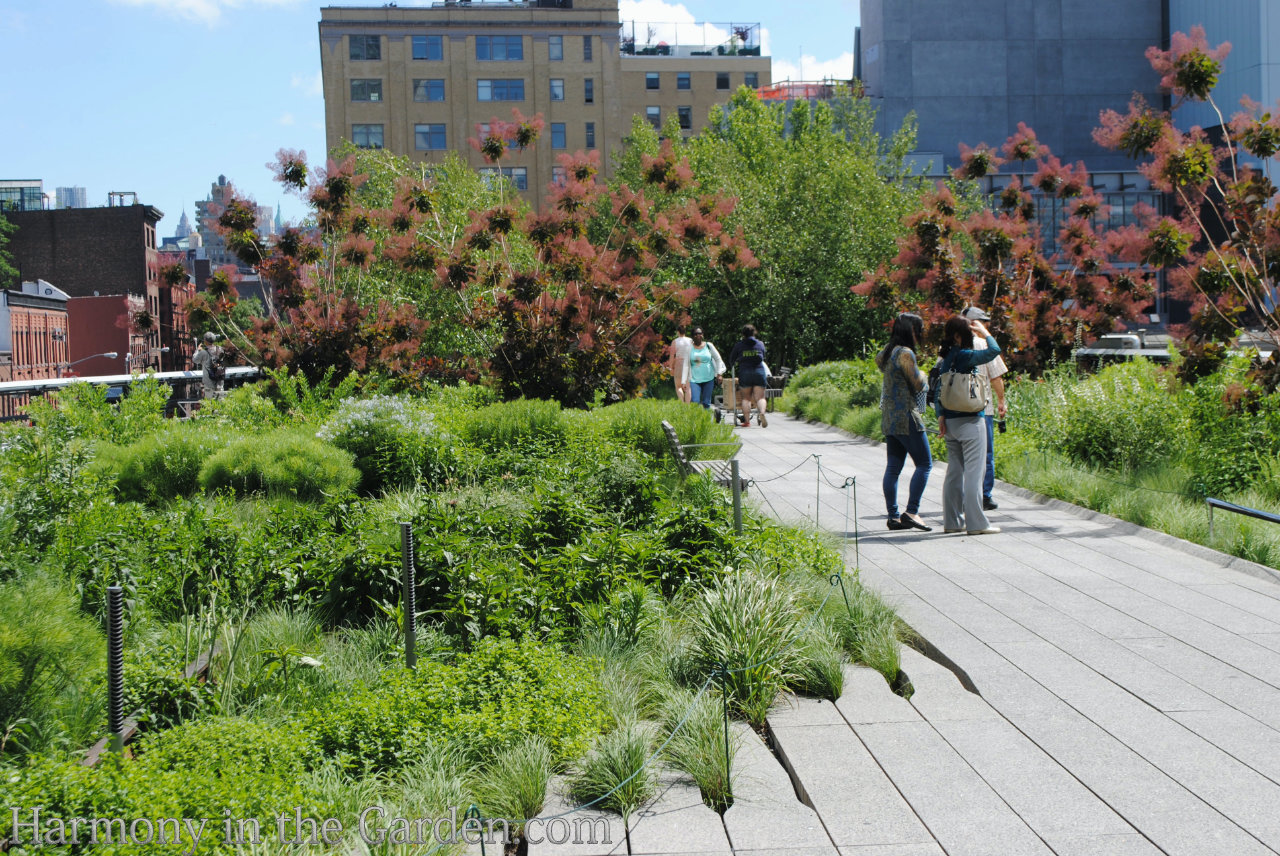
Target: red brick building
[[33, 335], [112, 251], [99, 325]]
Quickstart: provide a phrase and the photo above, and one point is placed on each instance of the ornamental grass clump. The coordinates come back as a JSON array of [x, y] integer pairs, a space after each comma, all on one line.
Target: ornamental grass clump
[[281, 463], [747, 624], [513, 786], [698, 746], [614, 775]]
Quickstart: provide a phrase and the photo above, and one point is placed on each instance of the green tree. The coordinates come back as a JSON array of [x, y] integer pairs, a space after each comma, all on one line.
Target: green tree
[[8, 273], [820, 199]]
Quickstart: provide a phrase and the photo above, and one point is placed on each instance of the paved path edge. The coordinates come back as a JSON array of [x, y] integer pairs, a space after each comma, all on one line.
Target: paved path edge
[[1200, 551]]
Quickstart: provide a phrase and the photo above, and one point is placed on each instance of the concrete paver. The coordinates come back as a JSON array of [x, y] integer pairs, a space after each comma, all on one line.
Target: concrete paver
[[1127, 681]]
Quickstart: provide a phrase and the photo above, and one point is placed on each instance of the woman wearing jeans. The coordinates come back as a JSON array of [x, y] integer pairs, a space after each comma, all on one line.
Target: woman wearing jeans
[[705, 368], [902, 421], [966, 433]]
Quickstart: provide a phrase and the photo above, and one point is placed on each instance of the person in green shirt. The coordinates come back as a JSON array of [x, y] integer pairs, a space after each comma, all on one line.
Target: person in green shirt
[[706, 368]]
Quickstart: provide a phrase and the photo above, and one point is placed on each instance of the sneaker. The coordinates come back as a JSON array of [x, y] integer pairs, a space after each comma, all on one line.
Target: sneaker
[[989, 504], [990, 530], [764, 421]]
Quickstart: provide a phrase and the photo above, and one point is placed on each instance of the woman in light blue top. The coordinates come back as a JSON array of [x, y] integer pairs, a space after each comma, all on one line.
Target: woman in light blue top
[[705, 368], [965, 433]]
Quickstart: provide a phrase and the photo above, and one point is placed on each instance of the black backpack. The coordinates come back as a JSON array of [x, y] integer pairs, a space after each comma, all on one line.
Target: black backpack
[[934, 385], [218, 368]]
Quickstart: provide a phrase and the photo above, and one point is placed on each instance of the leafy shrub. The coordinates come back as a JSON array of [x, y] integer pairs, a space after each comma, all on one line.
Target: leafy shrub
[[281, 463], [47, 651], [245, 408], [486, 700], [638, 423], [510, 423], [1123, 417], [83, 411], [200, 769], [161, 465], [42, 477], [393, 441]]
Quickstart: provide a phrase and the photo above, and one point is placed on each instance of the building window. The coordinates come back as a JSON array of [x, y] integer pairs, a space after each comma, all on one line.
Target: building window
[[500, 48], [683, 80], [428, 47], [429, 138], [366, 136], [686, 117], [366, 90], [557, 89], [558, 176], [500, 90], [586, 49], [654, 115], [591, 135], [557, 135], [555, 48], [652, 80], [428, 90], [589, 90], [722, 80], [518, 175], [364, 47], [752, 79]]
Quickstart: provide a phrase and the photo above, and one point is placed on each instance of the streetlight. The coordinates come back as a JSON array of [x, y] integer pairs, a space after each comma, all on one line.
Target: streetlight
[[111, 355]]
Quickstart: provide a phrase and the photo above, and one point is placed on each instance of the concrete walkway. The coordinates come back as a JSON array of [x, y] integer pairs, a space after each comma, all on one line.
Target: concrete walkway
[[1127, 686]]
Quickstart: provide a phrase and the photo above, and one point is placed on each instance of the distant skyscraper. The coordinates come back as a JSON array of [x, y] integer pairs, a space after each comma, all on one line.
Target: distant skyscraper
[[184, 226], [71, 197], [266, 225], [279, 221], [207, 212]]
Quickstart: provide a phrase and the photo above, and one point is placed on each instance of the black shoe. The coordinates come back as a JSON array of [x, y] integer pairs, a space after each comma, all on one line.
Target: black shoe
[[896, 525], [908, 523], [989, 504]]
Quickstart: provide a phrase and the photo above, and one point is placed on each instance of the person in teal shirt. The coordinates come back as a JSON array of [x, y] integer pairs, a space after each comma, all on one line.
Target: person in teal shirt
[[705, 368]]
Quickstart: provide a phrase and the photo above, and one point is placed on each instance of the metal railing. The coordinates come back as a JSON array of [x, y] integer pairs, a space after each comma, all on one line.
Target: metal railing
[[1213, 502]]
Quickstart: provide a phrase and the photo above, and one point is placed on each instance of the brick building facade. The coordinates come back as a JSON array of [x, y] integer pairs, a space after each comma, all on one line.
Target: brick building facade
[[34, 341], [93, 252]]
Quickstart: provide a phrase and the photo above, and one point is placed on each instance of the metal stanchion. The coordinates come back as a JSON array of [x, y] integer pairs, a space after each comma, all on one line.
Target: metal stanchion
[[737, 496], [409, 599], [115, 667]]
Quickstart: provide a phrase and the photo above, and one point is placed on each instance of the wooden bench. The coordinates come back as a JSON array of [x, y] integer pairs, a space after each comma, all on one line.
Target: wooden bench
[[720, 468]]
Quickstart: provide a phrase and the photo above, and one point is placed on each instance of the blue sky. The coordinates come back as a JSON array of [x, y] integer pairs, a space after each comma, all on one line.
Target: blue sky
[[161, 96]]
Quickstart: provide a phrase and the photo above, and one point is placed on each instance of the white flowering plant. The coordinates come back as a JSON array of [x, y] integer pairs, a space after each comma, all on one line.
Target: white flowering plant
[[393, 438]]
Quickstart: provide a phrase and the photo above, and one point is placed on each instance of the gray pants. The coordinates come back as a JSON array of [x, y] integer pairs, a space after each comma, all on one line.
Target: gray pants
[[966, 465]]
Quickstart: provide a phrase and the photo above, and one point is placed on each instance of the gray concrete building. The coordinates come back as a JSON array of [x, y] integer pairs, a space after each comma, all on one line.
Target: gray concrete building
[[973, 69], [1252, 68]]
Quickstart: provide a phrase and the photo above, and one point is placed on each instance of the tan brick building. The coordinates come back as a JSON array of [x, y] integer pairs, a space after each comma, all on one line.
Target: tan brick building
[[418, 80]]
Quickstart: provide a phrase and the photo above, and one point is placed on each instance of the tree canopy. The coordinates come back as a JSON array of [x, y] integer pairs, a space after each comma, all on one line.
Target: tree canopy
[[820, 199]]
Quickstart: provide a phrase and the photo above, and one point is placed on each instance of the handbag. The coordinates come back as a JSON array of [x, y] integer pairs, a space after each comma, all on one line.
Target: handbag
[[962, 392]]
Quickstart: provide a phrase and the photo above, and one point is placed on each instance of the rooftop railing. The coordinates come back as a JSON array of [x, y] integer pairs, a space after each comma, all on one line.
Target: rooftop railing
[[689, 39]]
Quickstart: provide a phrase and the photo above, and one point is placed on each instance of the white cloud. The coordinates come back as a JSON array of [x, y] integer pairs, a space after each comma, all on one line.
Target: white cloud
[[310, 84], [287, 119], [812, 68], [205, 11], [658, 21]]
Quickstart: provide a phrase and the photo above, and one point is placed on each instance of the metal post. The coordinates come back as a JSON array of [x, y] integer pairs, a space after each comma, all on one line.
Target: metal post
[[1209, 506], [737, 496], [409, 598], [817, 494], [115, 667]]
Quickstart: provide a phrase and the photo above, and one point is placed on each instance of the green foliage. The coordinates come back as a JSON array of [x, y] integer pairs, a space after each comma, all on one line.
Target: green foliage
[[160, 466], [393, 441], [50, 657], [83, 411], [513, 785], [285, 463], [639, 424], [614, 775], [8, 273], [196, 770], [42, 476], [245, 408], [747, 623], [698, 747], [1123, 417], [510, 423], [486, 700], [300, 398], [800, 179]]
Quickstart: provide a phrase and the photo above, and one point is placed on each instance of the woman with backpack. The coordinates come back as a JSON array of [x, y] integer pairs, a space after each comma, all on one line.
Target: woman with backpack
[[902, 419], [961, 404]]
